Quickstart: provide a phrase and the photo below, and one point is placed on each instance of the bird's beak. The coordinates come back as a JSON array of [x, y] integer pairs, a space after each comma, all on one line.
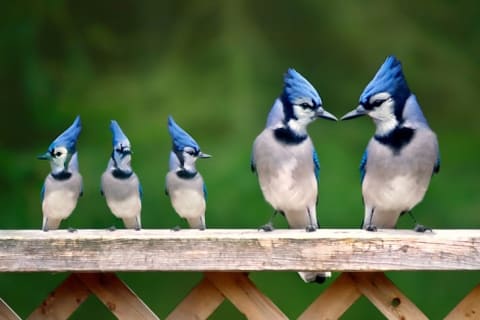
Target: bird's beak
[[322, 113], [358, 112], [45, 156], [204, 155]]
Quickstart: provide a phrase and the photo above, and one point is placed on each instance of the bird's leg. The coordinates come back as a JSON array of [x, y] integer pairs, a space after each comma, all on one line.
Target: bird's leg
[[371, 227], [418, 227], [112, 228], [72, 230], [269, 225], [311, 227], [176, 228]]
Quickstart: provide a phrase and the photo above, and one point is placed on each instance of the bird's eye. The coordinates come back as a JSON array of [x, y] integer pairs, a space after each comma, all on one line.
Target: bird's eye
[[190, 152], [305, 105], [58, 154], [377, 103]]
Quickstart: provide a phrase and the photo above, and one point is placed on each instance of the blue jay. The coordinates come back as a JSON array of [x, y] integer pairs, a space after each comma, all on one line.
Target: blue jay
[[184, 184], [285, 160], [64, 185], [403, 154], [120, 185]]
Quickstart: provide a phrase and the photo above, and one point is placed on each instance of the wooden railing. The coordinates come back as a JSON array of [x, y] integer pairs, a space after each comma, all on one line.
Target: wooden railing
[[226, 257]]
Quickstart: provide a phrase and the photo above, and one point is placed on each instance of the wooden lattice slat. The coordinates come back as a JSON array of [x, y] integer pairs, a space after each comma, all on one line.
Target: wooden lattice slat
[[63, 301], [468, 308], [6, 313], [200, 303]]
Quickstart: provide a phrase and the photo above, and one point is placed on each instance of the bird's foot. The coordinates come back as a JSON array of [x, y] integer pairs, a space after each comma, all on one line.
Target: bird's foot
[[371, 228], [176, 228], [202, 228], [112, 228], [72, 230], [320, 279], [138, 228], [421, 228], [311, 228], [267, 227]]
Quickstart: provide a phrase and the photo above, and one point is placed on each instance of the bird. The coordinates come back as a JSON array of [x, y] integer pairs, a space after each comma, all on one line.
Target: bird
[[184, 184], [285, 160], [64, 185], [403, 154], [119, 184]]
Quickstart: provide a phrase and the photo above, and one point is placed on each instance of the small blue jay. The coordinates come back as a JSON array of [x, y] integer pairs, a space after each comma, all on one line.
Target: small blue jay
[[403, 154], [120, 185], [285, 160], [184, 184], [64, 185]]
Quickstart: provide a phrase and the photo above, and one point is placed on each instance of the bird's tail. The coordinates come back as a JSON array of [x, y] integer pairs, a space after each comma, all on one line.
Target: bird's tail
[[318, 277], [133, 223], [197, 223]]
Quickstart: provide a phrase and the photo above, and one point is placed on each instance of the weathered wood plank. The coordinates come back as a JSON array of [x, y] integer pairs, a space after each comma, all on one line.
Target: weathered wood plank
[[199, 304], [63, 301], [334, 301], [117, 296], [6, 313], [386, 296], [238, 288], [468, 308], [238, 250]]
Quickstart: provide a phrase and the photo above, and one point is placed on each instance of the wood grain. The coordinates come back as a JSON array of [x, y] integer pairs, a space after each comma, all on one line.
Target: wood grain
[[468, 308], [238, 250], [6, 313]]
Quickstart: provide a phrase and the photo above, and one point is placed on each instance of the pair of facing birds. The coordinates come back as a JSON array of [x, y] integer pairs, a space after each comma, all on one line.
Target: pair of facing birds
[[395, 169]]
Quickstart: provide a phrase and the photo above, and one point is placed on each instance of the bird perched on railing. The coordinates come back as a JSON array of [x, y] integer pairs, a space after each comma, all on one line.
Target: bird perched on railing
[[285, 160], [184, 184], [64, 185], [403, 154], [119, 184]]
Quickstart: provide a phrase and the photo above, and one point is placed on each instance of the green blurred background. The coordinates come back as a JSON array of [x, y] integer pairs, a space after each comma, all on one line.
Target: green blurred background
[[217, 67]]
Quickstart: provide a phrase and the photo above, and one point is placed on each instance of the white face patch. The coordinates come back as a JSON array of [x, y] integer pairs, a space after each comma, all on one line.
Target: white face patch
[[383, 112], [189, 159], [59, 156], [304, 117]]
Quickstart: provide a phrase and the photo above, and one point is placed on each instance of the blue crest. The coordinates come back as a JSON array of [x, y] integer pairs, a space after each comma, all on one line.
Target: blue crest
[[118, 137], [68, 138], [297, 88], [389, 78], [180, 138]]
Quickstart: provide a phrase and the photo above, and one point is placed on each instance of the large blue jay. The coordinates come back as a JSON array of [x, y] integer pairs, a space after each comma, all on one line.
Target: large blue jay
[[403, 154], [184, 184], [120, 185], [285, 160], [63, 186]]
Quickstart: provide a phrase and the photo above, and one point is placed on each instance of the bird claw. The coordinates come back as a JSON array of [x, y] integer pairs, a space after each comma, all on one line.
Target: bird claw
[[176, 228], [267, 227], [112, 228], [311, 228], [421, 228], [72, 230], [371, 228]]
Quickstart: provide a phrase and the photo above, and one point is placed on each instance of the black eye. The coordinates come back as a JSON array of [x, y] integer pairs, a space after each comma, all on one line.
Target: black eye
[[305, 105], [377, 102], [58, 154], [190, 152]]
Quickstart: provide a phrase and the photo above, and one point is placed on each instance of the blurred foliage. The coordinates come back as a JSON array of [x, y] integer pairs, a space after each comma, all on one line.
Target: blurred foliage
[[217, 66]]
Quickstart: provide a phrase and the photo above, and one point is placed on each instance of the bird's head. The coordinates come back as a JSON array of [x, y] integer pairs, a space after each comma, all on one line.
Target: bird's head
[[383, 99], [63, 147], [302, 103], [184, 146], [122, 152]]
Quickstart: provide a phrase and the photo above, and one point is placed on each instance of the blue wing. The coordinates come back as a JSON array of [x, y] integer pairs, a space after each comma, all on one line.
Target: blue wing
[[436, 168], [363, 165], [205, 193], [42, 193], [316, 164], [140, 190]]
